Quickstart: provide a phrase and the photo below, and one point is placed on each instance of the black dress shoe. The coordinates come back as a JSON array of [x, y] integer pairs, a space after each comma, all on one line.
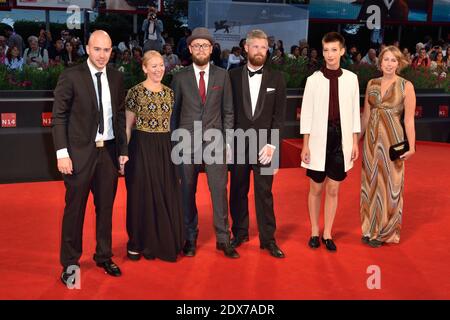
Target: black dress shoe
[[237, 241], [375, 243], [365, 240], [229, 251], [314, 242], [189, 248], [329, 244], [133, 256], [110, 268], [67, 278], [273, 250]]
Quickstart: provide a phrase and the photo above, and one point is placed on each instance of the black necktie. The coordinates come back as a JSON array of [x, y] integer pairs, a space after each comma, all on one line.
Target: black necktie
[[100, 104], [252, 73]]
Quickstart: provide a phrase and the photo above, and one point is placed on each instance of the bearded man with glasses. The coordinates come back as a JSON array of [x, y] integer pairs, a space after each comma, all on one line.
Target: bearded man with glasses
[[203, 96]]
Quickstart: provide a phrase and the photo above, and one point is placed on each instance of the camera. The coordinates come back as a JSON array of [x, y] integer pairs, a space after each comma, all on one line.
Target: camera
[[152, 16]]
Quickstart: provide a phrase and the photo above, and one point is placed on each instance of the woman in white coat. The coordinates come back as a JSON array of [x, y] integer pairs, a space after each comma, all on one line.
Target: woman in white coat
[[329, 122]]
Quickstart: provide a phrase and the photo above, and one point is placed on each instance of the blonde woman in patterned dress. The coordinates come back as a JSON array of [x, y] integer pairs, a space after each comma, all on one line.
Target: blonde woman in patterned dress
[[387, 98], [154, 216]]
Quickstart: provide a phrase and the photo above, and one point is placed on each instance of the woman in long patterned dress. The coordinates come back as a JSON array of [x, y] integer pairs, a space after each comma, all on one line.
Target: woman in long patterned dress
[[387, 99], [154, 215]]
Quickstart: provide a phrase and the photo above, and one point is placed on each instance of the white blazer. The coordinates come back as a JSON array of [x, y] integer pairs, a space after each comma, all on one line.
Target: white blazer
[[314, 116]]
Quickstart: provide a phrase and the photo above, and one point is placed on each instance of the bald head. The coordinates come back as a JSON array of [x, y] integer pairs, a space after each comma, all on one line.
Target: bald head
[[99, 49], [99, 36]]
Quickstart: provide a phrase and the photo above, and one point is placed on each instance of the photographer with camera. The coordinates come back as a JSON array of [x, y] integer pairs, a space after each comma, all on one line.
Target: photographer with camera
[[34, 55], [433, 52], [152, 28]]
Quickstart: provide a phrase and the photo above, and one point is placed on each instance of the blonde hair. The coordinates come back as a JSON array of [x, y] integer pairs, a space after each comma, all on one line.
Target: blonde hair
[[148, 55], [402, 61], [256, 34]]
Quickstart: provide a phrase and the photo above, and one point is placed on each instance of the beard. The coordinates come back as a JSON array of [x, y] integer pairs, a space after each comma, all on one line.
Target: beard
[[200, 61], [257, 60]]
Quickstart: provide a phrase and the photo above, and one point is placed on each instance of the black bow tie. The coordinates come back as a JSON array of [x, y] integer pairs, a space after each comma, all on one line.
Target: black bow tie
[[252, 73]]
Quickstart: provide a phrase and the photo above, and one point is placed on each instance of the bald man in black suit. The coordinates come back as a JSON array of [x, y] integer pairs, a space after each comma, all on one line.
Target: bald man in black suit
[[90, 139]]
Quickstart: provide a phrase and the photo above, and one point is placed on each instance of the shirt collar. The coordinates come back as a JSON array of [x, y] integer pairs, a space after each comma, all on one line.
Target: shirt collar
[[93, 70], [252, 69], [197, 69]]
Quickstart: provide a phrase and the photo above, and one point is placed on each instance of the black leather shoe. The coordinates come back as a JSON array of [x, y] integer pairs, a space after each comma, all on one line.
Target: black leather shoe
[[273, 250], [110, 268], [375, 243], [237, 241], [133, 256], [189, 248], [365, 240], [229, 251], [67, 278], [329, 244], [314, 242]]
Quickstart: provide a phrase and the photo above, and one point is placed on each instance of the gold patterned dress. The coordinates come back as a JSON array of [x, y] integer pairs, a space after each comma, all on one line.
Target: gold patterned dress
[[154, 215], [383, 179]]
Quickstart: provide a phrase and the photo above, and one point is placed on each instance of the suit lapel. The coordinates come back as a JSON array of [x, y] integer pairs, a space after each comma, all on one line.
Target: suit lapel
[[193, 81], [246, 100], [262, 93], [89, 82]]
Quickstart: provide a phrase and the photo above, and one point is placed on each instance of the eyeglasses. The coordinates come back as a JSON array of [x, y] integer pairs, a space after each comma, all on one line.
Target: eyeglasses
[[204, 46]]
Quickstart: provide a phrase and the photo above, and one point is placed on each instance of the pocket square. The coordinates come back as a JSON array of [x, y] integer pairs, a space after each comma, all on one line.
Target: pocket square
[[216, 87], [270, 89]]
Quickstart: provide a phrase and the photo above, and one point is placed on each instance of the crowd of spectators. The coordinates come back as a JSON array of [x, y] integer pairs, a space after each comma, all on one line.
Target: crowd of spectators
[[43, 50]]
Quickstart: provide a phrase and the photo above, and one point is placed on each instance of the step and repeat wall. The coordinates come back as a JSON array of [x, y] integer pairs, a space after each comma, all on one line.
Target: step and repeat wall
[[27, 151]]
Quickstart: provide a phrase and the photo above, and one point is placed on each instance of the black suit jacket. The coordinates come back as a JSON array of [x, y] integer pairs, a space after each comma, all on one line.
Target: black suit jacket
[[76, 115], [271, 105]]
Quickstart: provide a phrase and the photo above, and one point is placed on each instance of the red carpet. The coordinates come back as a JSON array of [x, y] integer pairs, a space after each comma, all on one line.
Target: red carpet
[[417, 268], [291, 150]]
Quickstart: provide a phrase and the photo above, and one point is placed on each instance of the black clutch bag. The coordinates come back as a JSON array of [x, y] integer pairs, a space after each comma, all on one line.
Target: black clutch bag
[[396, 150]]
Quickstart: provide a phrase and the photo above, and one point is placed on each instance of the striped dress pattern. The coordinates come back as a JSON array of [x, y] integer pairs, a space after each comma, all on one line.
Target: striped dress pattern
[[382, 179]]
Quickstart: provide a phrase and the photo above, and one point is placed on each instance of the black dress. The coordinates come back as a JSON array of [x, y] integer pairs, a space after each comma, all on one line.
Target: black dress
[[154, 215]]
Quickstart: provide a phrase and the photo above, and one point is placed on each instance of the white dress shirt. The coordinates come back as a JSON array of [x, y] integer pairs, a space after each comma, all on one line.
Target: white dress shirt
[[108, 133], [205, 76], [254, 84]]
